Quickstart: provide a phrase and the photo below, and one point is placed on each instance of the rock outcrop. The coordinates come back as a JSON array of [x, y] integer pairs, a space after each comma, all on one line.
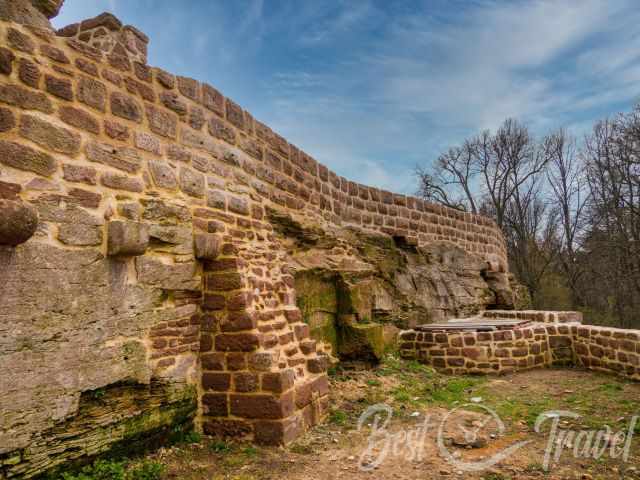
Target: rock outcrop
[[356, 290]]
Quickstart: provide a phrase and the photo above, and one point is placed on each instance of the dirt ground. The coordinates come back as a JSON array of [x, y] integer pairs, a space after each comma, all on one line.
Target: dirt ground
[[465, 409]]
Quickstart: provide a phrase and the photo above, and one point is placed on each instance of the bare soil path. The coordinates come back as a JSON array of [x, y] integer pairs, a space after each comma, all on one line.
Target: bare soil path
[[471, 434]]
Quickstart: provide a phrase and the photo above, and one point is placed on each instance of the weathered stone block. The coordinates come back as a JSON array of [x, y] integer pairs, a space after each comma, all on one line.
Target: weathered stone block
[[206, 246], [215, 404], [7, 120], [126, 107], [237, 321], [172, 101], [163, 174], [80, 235], [237, 342], [80, 119], [6, 61], [191, 182], [218, 382], [20, 41], [147, 142], [18, 222], [26, 158], [126, 238], [278, 382], [49, 135], [122, 158], [246, 382], [25, 98], [59, 87], [262, 406], [92, 93], [278, 433], [177, 276], [161, 122]]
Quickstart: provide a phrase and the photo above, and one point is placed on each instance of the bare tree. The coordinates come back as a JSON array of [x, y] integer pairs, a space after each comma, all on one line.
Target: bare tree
[[613, 247], [569, 191], [451, 182]]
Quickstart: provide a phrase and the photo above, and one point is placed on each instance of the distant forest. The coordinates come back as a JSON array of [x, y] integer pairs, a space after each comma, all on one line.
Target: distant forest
[[569, 208]]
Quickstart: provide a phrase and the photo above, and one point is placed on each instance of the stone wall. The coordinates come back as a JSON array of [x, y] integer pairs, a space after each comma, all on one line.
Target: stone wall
[[549, 341], [143, 286]]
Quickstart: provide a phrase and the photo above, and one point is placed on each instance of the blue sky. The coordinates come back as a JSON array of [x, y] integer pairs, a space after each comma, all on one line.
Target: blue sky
[[372, 88]]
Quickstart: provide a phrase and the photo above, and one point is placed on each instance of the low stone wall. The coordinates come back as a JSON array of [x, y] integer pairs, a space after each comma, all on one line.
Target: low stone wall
[[608, 349], [542, 316], [530, 346]]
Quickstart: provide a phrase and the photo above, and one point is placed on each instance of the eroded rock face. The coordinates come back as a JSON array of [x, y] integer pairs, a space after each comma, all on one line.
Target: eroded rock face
[[349, 283], [74, 322]]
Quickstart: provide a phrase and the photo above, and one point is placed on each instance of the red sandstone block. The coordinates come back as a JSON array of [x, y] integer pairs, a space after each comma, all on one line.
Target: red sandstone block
[[262, 406], [308, 347], [226, 428], [223, 281], [246, 382], [213, 302], [293, 316], [280, 432], [239, 342], [206, 343], [318, 365], [302, 331], [219, 382], [237, 321], [269, 341], [278, 382], [215, 404], [212, 361]]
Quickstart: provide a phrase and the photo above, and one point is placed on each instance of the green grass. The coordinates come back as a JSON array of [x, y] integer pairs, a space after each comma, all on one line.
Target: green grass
[[118, 470], [218, 446], [455, 390], [338, 417], [184, 435]]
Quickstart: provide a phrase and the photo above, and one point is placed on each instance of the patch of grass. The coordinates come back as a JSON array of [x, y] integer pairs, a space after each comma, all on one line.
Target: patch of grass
[[535, 468], [611, 388], [147, 470], [301, 449], [250, 451], [402, 395], [529, 410], [338, 417], [218, 446], [374, 383], [455, 390], [495, 476], [184, 435], [117, 470]]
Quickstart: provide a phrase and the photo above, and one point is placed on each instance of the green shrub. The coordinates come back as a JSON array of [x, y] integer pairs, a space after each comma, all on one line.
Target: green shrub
[[147, 470]]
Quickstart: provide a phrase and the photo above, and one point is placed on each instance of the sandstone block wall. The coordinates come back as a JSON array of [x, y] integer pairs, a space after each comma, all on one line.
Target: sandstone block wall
[[137, 263], [541, 344]]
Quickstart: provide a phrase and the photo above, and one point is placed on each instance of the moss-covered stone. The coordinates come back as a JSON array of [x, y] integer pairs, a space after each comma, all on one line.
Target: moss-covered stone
[[116, 421], [361, 341]]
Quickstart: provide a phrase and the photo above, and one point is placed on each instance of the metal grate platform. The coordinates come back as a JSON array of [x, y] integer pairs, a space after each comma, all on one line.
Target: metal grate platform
[[474, 324]]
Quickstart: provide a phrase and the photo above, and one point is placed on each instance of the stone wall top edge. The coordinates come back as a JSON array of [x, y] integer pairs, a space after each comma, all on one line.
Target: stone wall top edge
[[314, 164], [220, 107]]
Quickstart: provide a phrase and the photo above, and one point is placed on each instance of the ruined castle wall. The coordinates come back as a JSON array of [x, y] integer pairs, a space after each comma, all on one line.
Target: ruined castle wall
[[557, 341], [154, 291]]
